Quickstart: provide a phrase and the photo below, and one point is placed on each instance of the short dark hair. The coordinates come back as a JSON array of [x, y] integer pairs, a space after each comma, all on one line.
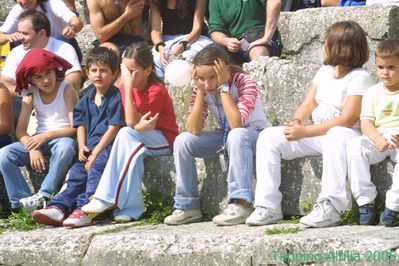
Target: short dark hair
[[103, 56], [346, 45], [39, 20], [387, 48]]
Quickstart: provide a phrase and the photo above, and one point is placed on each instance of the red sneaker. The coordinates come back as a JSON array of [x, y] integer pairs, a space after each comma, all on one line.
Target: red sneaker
[[77, 219], [49, 216]]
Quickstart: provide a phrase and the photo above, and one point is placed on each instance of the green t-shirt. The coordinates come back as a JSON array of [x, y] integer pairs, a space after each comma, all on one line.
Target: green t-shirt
[[234, 17]]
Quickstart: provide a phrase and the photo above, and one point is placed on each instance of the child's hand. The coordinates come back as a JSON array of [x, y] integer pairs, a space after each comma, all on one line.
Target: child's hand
[[89, 162], [381, 143], [294, 132], [147, 122], [37, 161], [222, 72], [36, 141], [83, 153], [128, 78]]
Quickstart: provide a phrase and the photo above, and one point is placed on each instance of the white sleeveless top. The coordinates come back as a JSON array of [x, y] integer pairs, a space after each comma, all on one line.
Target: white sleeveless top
[[52, 116]]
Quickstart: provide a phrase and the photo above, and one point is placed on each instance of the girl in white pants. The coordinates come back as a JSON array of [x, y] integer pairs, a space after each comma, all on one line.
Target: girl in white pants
[[333, 105]]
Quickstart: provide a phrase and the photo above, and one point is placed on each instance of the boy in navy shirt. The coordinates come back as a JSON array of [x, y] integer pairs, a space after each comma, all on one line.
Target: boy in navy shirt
[[97, 117]]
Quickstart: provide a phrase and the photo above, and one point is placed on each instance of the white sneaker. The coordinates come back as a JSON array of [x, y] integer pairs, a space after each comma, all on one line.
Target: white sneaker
[[34, 202], [263, 216], [122, 218], [97, 206], [232, 215], [182, 217], [323, 214], [49, 216], [77, 219]]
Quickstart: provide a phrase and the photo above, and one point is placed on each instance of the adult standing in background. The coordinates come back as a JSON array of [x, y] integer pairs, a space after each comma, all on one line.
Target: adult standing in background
[[65, 24], [116, 21], [177, 28], [246, 29]]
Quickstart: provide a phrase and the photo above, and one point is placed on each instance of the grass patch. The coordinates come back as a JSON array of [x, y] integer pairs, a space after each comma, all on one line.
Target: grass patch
[[272, 117], [294, 219], [157, 206], [307, 207], [21, 221], [282, 230]]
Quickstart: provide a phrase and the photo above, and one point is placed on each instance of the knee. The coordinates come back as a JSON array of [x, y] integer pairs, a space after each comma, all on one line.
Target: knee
[[66, 147], [354, 147], [184, 141], [271, 137], [339, 135]]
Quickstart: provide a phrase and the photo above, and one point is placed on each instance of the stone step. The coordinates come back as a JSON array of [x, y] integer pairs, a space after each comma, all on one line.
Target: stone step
[[201, 244]]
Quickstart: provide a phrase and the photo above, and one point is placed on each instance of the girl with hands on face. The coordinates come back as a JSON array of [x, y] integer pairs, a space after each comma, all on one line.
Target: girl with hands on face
[[232, 97], [151, 130]]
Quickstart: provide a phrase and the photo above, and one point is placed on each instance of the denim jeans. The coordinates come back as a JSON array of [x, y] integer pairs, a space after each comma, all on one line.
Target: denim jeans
[[120, 183], [81, 185], [13, 156], [241, 143]]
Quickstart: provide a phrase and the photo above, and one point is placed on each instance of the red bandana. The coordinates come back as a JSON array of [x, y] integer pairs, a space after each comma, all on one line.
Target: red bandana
[[35, 62]]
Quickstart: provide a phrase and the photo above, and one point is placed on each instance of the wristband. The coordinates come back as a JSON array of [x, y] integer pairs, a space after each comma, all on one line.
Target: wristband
[[159, 44], [185, 44]]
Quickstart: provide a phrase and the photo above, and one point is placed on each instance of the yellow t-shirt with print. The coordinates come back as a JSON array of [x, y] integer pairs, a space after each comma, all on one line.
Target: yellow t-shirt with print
[[381, 106], [4, 51]]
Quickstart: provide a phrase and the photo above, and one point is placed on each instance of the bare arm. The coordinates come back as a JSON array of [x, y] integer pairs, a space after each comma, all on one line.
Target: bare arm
[[272, 15], [10, 84], [105, 31], [371, 132], [232, 44], [132, 116], [195, 120], [23, 119], [75, 78], [5, 110], [156, 25], [106, 139], [198, 22], [11, 37]]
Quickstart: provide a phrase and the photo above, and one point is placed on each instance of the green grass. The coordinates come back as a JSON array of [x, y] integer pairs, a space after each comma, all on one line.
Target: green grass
[[294, 219], [157, 205], [282, 230], [21, 221], [272, 117]]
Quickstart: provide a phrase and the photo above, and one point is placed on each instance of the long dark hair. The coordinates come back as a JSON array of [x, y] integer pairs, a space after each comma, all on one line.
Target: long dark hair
[[208, 55], [142, 55], [183, 7]]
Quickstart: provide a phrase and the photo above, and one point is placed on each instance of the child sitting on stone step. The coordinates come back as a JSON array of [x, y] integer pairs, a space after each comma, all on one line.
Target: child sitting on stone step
[[97, 117], [53, 99], [333, 107], [380, 126]]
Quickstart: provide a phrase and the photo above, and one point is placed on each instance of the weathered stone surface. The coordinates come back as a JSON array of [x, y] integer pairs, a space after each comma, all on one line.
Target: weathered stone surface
[[207, 244], [302, 31], [49, 246]]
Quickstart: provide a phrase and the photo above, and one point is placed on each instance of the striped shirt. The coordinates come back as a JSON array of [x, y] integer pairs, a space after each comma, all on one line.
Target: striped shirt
[[245, 93]]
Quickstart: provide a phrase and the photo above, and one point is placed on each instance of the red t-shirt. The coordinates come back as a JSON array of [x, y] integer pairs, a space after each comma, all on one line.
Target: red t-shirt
[[155, 98]]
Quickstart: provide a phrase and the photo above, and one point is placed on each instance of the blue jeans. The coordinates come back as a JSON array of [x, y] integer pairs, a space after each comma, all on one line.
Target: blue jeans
[[120, 183], [241, 144], [13, 156], [81, 185]]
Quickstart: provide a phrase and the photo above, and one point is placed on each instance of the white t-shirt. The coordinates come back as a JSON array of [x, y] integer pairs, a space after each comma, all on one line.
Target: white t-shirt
[[382, 2], [381, 106], [56, 11], [60, 48], [331, 92]]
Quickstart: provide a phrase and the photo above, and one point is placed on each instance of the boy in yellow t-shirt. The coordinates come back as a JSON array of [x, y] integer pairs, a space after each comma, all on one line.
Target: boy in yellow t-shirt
[[380, 126]]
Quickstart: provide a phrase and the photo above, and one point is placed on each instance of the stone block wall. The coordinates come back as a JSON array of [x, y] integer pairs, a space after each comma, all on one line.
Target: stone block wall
[[283, 84]]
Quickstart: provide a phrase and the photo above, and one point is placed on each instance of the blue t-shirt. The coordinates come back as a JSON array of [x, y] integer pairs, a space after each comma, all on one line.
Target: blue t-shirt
[[96, 119]]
